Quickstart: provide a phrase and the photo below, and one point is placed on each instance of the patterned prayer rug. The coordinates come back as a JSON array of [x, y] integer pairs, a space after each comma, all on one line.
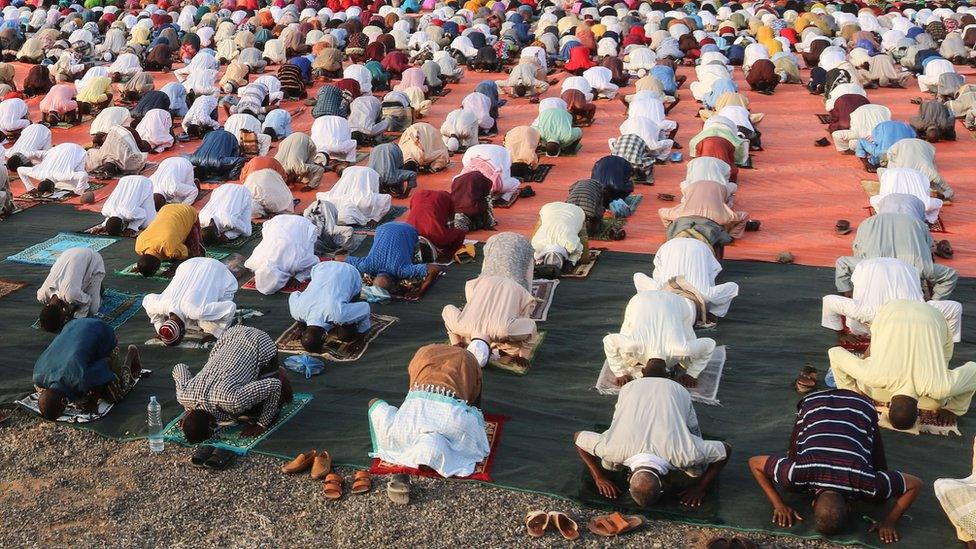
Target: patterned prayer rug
[[117, 307], [482, 471], [8, 287], [706, 392], [498, 202], [928, 422], [539, 175], [394, 213], [47, 252], [543, 290], [608, 227], [407, 290], [19, 206], [230, 438], [56, 195], [290, 287], [73, 414], [98, 229], [335, 350], [514, 368], [168, 268], [582, 270]]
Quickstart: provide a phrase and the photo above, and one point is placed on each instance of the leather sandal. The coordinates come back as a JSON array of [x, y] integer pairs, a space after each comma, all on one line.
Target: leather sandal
[[807, 380], [321, 466], [361, 483], [300, 464], [943, 249], [536, 523], [615, 524], [566, 526], [201, 455], [333, 487]]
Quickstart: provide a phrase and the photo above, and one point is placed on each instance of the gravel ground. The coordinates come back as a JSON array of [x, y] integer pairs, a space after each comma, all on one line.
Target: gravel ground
[[61, 486]]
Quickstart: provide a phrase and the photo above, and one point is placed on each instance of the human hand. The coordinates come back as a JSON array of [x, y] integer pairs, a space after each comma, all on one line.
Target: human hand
[[687, 381], [693, 497], [784, 516], [886, 531], [253, 430], [606, 488]]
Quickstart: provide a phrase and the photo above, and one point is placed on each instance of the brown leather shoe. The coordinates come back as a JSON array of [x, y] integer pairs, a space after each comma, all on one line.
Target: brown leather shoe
[[300, 464], [321, 465]]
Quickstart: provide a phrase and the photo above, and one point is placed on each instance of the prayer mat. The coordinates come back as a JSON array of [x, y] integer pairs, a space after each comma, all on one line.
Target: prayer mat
[[609, 225], [543, 291], [168, 268], [708, 380], [8, 287], [290, 287], [201, 194], [351, 247], [823, 118], [394, 213], [582, 270], [19, 206], [409, 290], [482, 471], [47, 252], [230, 438], [117, 307], [241, 241], [337, 351], [539, 175], [382, 139], [514, 368], [498, 202], [96, 229], [360, 156], [73, 414], [194, 339], [927, 422]]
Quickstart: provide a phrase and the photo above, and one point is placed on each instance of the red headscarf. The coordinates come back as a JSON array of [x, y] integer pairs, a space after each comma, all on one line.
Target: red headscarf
[[579, 59], [721, 148]]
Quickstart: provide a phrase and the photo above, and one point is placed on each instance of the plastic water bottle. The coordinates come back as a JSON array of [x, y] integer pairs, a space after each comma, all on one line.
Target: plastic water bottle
[[155, 421]]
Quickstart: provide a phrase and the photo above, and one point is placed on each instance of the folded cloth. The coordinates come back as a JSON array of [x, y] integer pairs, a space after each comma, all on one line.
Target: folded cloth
[[620, 208]]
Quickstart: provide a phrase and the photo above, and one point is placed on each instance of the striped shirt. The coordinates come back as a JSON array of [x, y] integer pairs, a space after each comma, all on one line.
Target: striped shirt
[[834, 441]]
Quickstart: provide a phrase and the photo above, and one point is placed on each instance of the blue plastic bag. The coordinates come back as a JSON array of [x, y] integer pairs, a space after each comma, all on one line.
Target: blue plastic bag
[[304, 364]]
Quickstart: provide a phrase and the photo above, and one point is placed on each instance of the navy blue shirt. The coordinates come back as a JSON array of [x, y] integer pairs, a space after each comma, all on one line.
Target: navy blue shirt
[[77, 361]]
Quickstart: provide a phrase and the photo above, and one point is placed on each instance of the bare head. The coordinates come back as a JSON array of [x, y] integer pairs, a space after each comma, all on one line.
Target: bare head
[[210, 236], [384, 281], [148, 264], [46, 186], [645, 487], [198, 426], [53, 317], [114, 226], [656, 367], [159, 201], [903, 412], [830, 512], [51, 404], [313, 338]]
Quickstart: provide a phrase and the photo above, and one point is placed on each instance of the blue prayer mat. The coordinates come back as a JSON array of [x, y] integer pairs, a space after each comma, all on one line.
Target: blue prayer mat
[[47, 252], [117, 307]]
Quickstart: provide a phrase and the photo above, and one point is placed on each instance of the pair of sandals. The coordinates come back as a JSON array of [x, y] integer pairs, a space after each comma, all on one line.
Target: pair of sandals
[[734, 543], [215, 459], [362, 481], [537, 522]]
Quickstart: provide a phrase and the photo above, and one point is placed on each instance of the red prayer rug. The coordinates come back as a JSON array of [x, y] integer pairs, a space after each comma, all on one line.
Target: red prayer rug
[[291, 287]]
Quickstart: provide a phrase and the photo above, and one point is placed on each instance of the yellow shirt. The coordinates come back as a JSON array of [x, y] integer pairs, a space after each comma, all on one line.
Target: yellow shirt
[[96, 90], [165, 236]]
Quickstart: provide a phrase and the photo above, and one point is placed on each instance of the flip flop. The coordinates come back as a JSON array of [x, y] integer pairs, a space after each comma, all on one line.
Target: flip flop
[[361, 483], [719, 543], [615, 524], [333, 487], [807, 380], [201, 455], [566, 526], [536, 523], [943, 249], [220, 460], [398, 489]]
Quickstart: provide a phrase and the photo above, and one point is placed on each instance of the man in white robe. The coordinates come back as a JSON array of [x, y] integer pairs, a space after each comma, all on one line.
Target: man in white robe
[[655, 436], [648, 130], [460, 129], [332, 136], [330, 305], [72, 289], [200, 296], [695, 262], [243, 122], [130, 208], [599, 79], [201, 117], [501, 160], [286, 251], [356, 196], [658, 327], [863, 121], [270, 194], [64, 166], [173, 181], [227, 215]]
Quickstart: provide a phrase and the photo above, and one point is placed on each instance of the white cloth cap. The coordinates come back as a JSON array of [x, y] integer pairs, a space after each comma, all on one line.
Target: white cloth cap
[[480, 350]]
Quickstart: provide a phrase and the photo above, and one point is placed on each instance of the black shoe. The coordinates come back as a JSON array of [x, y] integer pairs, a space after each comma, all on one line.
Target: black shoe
[[220, 460], [201, 455], [822, 142]]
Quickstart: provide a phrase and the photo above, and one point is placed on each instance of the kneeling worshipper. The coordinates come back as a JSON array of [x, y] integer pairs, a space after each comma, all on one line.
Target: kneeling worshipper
[[877, 281], [690, 261], [227, 215], [424, 149], [432, 213], [837, 456], [106, 120], [174, 235], [201, 117], [497, 311], [659, 329], [655, 438], [439, 425], [390, 259], [330, 306], [588, 195], [72, 289], [199, 297], [907, 366], [130, 208], [387, 161], [286, 251], [911, 182], [218, 157], [495, 163], [708, 200], [366, 119], [956, 497], [560, 240], [332, 236], [615, 173], [296, 154], [332, 136], [917, 154], [509, 255], [523, 143], [156, 130], [270, 194], [173, 181], [357, 196], [522, 81], [241, 379], [119, 154], [471, 196], [62, 167], [635, 151], [30, 147], [873, 150], [14, 117], [903, 236], [556, 131], [59, 106], [82, 365]]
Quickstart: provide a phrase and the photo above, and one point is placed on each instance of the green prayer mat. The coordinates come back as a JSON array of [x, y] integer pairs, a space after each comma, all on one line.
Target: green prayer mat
[[607, 226], [117, 307], [230, 438], [166, 269], [242, 241], [515, 369], [393, 214]]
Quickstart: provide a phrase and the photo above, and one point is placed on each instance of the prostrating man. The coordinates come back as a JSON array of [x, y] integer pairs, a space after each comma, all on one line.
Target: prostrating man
[[241, 379], [390, 259], [655, 436], [523, 81], [270, 194], [836, 455], [658, 331], [588, 195], [227, 215], [130, 208], [286, 251], [62, 168], [497, 311], [200, 296], [907, 365], [73, 288], [296, 154], [877, 281], [330, 306], [694, 262], [429, 430], [556, 131], [82, 365], [174, 235], [560, 241]]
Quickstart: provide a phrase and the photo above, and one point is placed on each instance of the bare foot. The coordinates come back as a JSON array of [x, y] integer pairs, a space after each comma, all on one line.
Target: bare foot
[[132, 360]]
